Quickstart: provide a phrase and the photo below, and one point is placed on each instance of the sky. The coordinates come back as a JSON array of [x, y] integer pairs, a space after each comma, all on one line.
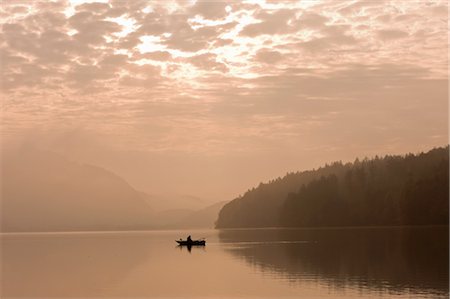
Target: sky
[[209, 98]]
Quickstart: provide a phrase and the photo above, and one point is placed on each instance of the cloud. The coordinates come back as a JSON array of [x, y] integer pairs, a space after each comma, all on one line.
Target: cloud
[[154, 23], [332, 37], [207, 62], [187, 39], [210, 9], [157, 55], [312, 20], [190, 40], [30, 75], [145, 76], [220, 42], [71, 48], [90, 30], [278, 22], [356, 7], [392, 34], [440, 10], [201, 77], [268, 56]]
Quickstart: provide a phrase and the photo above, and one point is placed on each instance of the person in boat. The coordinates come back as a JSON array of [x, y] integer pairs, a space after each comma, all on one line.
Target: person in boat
[[189, 239]]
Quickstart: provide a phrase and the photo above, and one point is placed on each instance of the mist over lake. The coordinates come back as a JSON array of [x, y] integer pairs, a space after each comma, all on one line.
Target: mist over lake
[[265, 263]]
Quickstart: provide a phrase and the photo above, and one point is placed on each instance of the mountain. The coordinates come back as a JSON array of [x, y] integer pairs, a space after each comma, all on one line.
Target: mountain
[[165, 202], [203, 218], [394, 190], [187, 218], [42, 191], [167, 219]]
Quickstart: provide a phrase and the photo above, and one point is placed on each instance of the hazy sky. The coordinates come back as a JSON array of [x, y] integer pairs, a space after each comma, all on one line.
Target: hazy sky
[[208, 98]]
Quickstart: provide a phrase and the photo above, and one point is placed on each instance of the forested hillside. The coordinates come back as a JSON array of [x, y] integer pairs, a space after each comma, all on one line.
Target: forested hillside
[[394, 190]]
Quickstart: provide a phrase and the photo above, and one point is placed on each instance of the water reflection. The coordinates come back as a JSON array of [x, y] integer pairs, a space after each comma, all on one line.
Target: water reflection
[[189, 247], [394, 260], [55, 265], [361, 263]]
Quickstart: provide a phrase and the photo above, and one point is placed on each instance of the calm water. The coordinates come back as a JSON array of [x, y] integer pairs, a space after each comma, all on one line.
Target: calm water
[[265, 263]]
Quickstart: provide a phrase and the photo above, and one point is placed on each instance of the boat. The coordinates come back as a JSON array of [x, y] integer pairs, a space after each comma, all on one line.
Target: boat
[[191, 243]]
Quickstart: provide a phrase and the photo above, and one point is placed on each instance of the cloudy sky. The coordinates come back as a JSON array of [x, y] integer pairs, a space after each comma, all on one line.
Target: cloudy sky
[[208, 98]]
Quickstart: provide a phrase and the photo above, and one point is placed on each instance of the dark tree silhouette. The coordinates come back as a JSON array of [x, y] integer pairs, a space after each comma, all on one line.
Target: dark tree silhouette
[[394, 190]]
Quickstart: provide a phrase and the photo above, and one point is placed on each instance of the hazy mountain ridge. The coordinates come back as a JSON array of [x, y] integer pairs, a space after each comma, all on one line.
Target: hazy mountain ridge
[[203, 218], [43, 191], [394, 190], [166, 202]]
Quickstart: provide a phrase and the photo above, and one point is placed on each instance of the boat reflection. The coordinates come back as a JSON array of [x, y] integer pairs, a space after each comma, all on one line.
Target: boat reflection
[[189, 247]]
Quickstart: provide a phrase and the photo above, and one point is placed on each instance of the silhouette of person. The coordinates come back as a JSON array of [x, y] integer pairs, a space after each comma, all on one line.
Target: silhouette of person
[[189, 238]]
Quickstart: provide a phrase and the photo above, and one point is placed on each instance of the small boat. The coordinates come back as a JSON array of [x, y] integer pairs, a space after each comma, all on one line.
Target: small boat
[[191, 243]]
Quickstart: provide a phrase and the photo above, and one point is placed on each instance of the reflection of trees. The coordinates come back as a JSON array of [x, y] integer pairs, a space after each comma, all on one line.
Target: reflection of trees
[[395, 259]]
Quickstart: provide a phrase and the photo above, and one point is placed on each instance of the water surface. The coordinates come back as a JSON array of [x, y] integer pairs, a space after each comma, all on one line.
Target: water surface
[[261, 263]]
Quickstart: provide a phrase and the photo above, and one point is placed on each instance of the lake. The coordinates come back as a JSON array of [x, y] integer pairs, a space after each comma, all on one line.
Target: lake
[[259, 263]]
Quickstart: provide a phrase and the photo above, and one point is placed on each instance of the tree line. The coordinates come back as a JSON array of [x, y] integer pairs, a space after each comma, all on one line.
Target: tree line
[[392, 190]]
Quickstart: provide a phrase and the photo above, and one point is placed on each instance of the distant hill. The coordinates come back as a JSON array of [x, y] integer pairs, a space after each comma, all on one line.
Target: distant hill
[[184, 218], [42, 191], [165, 202], [203, 218], [394, 190], [168, 218]]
